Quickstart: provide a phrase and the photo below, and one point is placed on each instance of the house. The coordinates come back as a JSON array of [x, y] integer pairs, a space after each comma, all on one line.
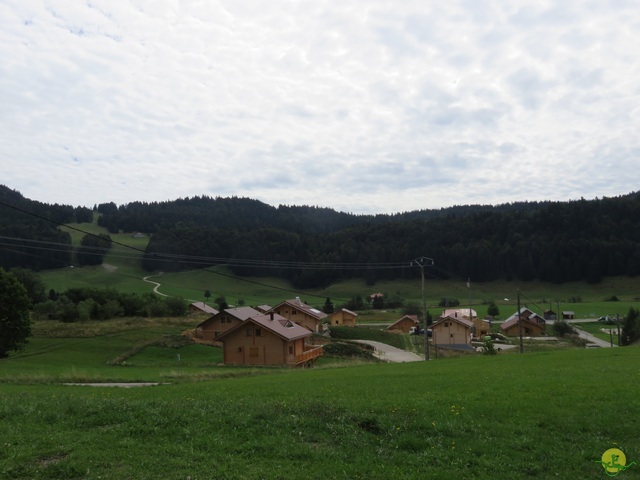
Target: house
[[343, 317], [219, 323], [268, 339], [201, 307], [451, 331], [404, 324], [299, 312], [533, 325], [480, 326], [568, 315]]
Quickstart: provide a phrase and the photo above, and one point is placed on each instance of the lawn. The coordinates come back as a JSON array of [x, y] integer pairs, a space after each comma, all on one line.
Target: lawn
[[537, 415]]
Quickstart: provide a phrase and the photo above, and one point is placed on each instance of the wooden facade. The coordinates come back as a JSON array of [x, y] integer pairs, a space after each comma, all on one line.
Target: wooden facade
[[343, 317], [533, 325], [451, 331], [404, 324], [219, 323], [302, 314], [268, 339]]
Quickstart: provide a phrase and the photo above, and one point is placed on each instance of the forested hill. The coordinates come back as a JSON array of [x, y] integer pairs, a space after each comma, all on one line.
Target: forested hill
[[27, 226], [549, 241]]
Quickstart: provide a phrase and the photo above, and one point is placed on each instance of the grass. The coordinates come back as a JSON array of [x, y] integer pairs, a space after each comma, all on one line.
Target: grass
[[551, 411]]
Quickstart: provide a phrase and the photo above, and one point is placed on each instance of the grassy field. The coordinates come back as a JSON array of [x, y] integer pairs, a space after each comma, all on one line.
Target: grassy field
[[538, 415]]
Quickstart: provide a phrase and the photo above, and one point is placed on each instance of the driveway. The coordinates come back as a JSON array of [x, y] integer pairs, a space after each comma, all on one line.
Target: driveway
[[389, 353]]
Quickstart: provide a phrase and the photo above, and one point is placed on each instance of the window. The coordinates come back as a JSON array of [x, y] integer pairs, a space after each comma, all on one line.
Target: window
[[249, 331], [293, 311], [239, 349], [446, 324], [290, 350], [217, 334], [258, 332], [253, 351], [451, 336]]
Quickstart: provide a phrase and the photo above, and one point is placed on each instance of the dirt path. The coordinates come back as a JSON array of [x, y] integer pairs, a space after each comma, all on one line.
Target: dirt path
[[157, 285]]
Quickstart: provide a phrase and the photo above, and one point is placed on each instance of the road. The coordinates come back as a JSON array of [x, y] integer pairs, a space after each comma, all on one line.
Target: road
[[391, 354], [586, 335]]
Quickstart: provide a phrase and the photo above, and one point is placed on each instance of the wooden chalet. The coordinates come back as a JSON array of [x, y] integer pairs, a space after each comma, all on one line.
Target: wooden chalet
[[219, 323], [533, 325], [480, 326], [201, 307], [343, 317], [268, 339], [404, 324], [451, 331], [299, 312]]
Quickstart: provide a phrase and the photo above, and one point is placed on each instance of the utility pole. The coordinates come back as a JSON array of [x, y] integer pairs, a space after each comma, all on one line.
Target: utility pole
[[421, 262], [520, 323]]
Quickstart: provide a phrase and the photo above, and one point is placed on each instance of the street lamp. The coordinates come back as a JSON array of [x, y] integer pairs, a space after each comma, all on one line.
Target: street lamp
[[421, 262]]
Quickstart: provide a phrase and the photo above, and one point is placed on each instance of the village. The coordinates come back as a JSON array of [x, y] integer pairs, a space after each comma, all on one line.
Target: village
[[293, 333]]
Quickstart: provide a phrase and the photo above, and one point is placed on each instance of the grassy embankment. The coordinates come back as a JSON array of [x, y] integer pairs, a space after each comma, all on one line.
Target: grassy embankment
[[537, 415]]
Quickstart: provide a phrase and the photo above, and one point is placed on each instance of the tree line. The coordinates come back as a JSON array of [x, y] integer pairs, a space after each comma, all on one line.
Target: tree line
[[582, 240]]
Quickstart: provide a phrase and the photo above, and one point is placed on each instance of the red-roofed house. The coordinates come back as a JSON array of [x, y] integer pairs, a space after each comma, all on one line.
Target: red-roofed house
[[299, 312], [268, 339]]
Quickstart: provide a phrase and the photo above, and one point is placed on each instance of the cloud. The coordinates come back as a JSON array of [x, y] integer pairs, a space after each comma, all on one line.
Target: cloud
[[359, 106]]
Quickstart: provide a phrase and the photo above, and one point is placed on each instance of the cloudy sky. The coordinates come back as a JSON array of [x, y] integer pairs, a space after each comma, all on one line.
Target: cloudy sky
[[364, 106]]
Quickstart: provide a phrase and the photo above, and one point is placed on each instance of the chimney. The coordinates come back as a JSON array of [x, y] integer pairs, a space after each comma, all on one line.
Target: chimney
[[271, 316], [298, 301]]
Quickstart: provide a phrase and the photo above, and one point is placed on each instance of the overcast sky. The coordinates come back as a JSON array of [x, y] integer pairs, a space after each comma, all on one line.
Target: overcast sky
[[364, 106]]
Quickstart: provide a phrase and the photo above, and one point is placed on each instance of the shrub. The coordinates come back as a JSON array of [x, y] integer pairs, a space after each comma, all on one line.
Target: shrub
[[560, 329]]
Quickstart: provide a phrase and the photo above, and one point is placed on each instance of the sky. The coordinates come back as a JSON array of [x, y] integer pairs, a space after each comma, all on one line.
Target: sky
[[363, 106]]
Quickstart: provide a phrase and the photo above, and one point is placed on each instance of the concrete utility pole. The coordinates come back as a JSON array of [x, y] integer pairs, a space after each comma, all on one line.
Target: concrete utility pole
[[421, 262], [520, 323]]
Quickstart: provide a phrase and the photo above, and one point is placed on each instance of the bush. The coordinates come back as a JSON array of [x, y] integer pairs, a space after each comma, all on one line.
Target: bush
[[560, 329], [488, 348], [344, 349], [449, 302]]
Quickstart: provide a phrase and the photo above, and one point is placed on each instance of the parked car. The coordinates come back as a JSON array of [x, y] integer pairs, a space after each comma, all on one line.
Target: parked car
[[419, 331], [607, 319]]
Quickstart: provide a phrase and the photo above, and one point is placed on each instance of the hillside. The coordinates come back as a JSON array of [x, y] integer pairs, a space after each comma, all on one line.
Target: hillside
[[312, 247]]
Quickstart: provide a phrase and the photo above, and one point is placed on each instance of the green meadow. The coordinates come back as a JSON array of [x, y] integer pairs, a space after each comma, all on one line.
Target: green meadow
[[545, 414], [549, 413]]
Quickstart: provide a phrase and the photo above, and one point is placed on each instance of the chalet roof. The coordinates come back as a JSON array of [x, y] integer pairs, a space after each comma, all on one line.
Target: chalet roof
[[278, 325], [242, 313], [533, 319], [413, 318], [346, 311], [263, 308], [458, 312], [303, 307], [204, 307], [462, 321]]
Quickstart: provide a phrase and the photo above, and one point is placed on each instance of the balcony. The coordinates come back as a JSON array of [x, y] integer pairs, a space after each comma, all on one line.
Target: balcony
[[310, 355]]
